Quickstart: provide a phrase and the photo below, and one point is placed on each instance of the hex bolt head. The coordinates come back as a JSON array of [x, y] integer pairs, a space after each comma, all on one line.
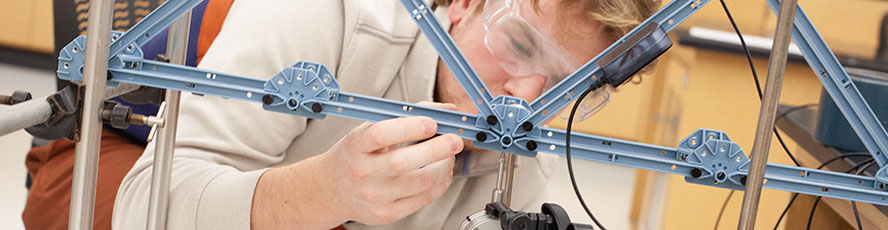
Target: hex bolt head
[[481, 137], [267, 99], [696, 173], [527, 126], [531, 145], [507, 140], [317, 107], [293, 102], [491, 120]]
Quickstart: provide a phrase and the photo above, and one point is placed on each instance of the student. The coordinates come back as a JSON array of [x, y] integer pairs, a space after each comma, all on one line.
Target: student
[[238, 166]]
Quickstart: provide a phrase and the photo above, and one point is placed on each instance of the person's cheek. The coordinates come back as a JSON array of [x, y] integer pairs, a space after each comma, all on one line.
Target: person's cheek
[[525, 87]]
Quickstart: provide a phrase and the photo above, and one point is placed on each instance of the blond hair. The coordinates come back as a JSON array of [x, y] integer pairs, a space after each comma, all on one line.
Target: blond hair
[[617, 17]]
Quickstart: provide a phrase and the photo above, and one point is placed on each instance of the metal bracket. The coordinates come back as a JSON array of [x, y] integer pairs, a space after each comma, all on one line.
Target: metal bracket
[[64, 122]]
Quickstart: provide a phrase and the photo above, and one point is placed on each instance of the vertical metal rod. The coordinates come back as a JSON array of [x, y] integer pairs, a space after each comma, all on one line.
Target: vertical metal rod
[[158, 204], [508, 177], [776, 67], [86, 155], [505, 175], [497, 195]]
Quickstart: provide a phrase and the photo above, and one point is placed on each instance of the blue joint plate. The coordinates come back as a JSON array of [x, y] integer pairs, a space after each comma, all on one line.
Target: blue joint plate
[[722, 163], [298, 88]]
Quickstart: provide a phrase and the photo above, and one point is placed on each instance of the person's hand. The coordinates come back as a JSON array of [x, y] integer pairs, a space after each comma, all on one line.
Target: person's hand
[[365, 177]]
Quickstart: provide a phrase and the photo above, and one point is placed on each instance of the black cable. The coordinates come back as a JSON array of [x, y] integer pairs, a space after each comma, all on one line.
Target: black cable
[[570, 171], [758, 87], [722, 211], [813, 208], [854, 203], [824, 164], [856, 215], [868, 163]]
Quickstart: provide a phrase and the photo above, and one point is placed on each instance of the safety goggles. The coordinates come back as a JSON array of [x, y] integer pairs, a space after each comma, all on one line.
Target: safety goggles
[[523, 46]]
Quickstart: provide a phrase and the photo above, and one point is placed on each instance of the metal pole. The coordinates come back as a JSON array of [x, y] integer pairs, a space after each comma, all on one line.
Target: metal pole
[[23, 115], [509, 176], [505, 174], [86, 155], [177, 47], [776, 66], [37, 111]]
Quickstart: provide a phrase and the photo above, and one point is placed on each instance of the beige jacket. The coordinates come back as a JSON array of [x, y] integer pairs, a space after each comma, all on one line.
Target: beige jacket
[[224, 145]]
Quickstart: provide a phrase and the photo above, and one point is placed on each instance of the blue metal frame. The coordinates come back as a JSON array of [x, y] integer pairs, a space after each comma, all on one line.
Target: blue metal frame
[[511, 124]]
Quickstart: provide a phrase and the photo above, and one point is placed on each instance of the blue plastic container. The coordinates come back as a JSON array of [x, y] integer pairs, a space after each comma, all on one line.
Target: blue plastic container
[[832, 128]]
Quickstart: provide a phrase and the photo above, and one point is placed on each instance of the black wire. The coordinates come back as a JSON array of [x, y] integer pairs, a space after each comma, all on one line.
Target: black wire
[[813, 208], [868, 163], [856, 215], [824, 164], [758, 88], [722, 211], [570, 171], [854, 203]]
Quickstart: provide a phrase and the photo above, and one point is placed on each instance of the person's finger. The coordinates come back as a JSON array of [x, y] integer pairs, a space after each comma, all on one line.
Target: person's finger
[[446, 106], [385, 133], [409, 158], [422, 179], [412, 203]]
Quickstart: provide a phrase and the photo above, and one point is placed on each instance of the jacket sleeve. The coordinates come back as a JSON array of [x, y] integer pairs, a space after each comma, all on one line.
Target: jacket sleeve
[[224, 145]]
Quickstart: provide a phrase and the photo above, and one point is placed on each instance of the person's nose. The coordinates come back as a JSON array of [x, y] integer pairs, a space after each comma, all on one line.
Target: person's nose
[[525, 87]]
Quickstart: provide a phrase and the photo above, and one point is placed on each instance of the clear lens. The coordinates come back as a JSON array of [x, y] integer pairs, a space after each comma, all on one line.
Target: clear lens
[[519, 47], [594, 101], [515, 40]]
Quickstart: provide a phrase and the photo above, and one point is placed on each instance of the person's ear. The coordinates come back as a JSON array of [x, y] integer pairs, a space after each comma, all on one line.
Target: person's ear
[[459, 10]]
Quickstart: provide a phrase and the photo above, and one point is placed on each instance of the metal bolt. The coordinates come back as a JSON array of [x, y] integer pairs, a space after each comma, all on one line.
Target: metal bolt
[[527, 126], [267, 99], [481, 137], [317, 107], [531, 145], [491, 120], [507, 140], [696, 173], [293, 102]]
